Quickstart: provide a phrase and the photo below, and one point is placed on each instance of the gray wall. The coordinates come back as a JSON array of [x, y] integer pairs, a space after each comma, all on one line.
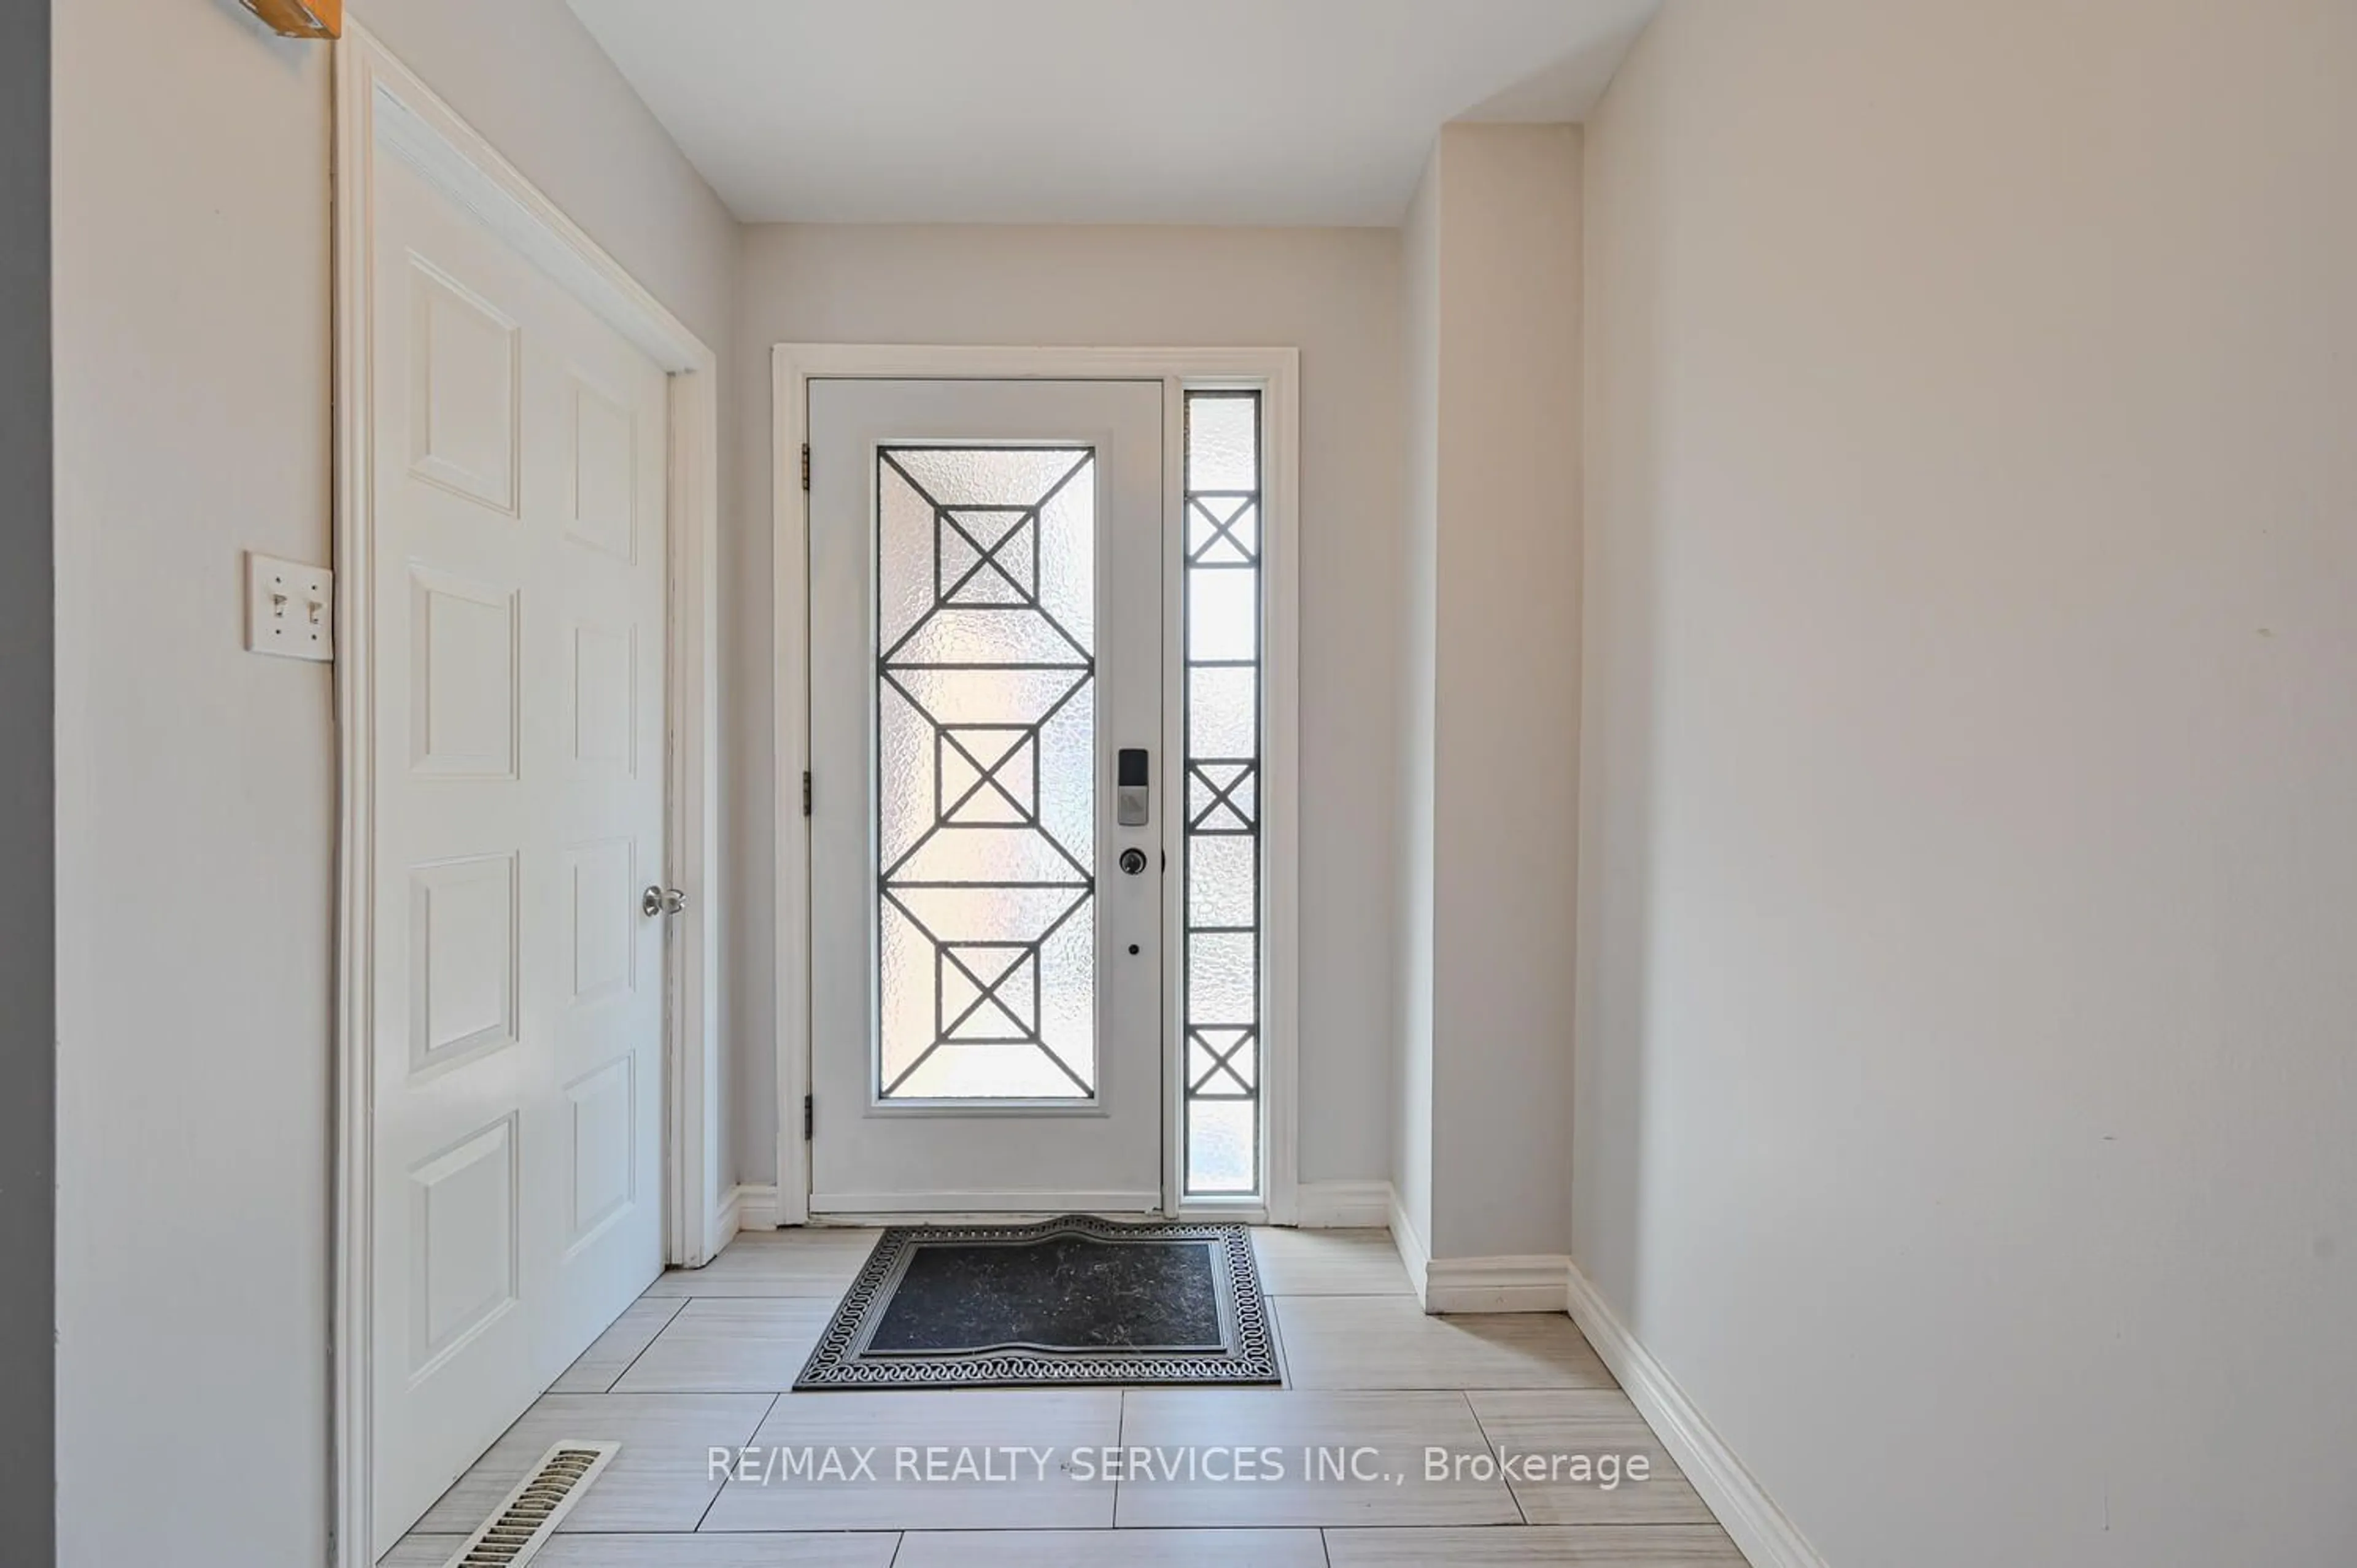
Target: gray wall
[[1420, 662], [196, 782], [27, 844], [1965, 1079], [1491, 692]]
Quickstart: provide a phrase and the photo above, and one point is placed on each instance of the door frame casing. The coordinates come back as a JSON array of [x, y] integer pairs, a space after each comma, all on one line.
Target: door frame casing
[[1276, 373], [383, 108]]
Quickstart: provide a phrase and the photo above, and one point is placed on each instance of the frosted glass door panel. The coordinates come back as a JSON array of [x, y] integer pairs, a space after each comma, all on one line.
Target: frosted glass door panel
[[986, 771]]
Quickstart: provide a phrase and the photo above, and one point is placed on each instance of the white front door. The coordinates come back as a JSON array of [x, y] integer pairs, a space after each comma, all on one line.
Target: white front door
[[987, 603], [517, 702]]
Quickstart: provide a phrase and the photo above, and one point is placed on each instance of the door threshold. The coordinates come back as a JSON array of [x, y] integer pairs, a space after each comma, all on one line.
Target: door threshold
[[847, 1218], [936, 1208], [1230, 1213]]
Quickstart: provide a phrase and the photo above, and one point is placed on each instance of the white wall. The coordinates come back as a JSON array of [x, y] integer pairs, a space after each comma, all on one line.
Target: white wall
[[195, 781], [1419, 719], [1506, 743], [1965, 1070], [1333, 294], [1492, 678]]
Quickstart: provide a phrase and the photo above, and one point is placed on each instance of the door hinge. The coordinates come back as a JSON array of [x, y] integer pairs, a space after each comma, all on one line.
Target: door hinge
[[806, 793], [809, 1118], [805, 465]]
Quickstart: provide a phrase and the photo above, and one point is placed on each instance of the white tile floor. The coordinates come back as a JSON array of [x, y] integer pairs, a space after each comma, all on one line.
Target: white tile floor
[[1410, 1413]]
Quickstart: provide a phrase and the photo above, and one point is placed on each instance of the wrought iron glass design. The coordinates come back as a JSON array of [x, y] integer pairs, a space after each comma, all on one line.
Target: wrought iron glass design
[[985, 774], [1222, 841]]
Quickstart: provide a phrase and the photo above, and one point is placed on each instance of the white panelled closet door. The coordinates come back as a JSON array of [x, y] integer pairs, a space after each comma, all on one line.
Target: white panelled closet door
[[517, 701]]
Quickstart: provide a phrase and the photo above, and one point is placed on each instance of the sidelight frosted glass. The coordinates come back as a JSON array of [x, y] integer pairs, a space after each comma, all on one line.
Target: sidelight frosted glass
[[1222, 712], [1222, 441], [1222, 979], [1221, 793], [1220, 881], [986, 773], [1223, 614], [1222, 1147]]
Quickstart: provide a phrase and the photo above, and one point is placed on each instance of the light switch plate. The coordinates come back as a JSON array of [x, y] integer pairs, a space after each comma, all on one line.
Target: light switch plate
[[290, 608]]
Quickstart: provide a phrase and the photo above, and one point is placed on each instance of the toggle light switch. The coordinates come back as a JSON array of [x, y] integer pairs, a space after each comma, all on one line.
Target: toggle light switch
[[290, 608]]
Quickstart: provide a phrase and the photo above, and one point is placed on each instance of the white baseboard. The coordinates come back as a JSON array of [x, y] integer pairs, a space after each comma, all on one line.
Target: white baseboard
[[1413, 1255], [1342, 1205], [1528, 1283], [1533, 1283], [1766, 1537], [747, 1208]]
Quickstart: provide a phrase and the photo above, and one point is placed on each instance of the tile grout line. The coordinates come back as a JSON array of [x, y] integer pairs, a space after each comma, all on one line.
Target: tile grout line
[[1498, 1454], [650, 1345], [1120, 1442], [767, 1411]]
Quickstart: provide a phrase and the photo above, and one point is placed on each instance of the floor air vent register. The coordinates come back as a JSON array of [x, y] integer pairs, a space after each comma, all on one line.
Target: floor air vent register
[[521, 1526]]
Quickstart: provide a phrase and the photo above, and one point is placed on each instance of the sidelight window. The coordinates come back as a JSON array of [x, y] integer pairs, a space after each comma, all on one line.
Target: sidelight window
[[1221, 1008]]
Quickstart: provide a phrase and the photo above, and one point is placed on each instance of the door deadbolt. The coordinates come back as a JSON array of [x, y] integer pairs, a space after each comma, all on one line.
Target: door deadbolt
[[662, 901], [1132, 861]]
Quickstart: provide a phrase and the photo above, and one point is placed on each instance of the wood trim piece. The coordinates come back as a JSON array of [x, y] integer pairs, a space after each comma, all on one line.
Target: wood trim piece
[[300, 18]]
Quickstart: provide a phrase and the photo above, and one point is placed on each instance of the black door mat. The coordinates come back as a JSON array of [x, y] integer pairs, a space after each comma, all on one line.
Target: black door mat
[[1067, 1301]]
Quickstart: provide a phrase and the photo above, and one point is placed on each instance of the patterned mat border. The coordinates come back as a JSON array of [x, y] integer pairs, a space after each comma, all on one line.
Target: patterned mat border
[[842, 1361]]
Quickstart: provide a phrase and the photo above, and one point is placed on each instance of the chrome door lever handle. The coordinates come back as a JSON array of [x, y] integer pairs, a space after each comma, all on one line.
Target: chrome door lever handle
[[662, 901]]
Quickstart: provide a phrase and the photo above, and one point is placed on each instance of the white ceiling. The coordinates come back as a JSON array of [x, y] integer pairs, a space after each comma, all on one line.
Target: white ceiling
[[1095, 110]]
